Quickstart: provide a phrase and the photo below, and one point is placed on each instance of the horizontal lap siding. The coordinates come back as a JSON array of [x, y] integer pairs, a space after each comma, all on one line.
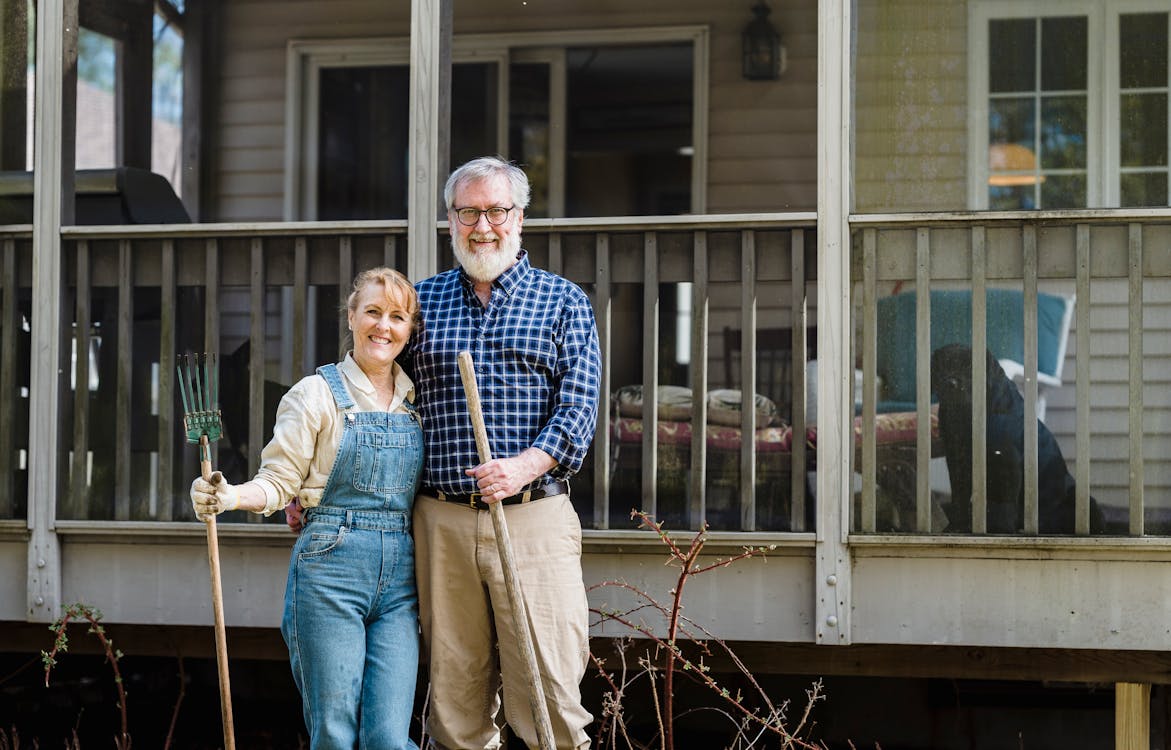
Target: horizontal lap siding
[[1109, 396], [911, 106], [762, 136]]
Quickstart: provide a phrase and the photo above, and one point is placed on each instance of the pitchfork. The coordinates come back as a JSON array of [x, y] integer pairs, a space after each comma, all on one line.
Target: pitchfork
[[199, 386]]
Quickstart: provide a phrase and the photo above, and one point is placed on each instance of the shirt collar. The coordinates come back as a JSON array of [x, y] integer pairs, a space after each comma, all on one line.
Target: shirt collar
[[404, 387], [508, 281]]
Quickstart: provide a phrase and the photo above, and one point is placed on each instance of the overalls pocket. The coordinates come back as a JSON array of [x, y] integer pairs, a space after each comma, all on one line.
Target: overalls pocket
[[385, 462]]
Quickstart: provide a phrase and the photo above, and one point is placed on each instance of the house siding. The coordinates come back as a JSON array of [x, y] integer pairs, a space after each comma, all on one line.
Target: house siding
[[762, 134], [911, 106]]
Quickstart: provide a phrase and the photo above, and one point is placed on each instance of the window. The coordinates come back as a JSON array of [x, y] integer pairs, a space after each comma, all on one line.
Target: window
[[603, 126], [1037, 113], [1076, 106], [1143, 105]]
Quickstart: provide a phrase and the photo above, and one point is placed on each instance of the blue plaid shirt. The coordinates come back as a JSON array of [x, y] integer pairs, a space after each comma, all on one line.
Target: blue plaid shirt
[[538, 365]]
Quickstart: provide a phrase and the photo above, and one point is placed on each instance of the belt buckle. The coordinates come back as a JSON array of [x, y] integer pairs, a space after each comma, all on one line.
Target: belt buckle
[[472, 499]]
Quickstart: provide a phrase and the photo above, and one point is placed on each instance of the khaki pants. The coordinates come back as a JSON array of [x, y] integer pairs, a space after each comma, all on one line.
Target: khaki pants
[[467, 621]]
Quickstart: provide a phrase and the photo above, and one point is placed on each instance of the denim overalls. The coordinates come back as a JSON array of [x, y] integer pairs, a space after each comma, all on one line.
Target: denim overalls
[[351, 608]]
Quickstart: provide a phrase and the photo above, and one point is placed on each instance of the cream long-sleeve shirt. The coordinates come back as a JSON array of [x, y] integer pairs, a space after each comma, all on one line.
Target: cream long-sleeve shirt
[[305, 439]]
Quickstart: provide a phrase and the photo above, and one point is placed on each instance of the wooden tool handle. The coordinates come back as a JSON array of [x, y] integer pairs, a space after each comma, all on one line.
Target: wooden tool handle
[[217, 604], [520, 613]]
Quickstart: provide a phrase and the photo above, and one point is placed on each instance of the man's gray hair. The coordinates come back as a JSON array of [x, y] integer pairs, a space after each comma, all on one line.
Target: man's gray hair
[[487, 167]]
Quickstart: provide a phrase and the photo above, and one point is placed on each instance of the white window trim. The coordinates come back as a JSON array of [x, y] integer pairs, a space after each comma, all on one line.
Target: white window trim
[[1103, 161], [1113, 116], [306, 57], [979, 14]]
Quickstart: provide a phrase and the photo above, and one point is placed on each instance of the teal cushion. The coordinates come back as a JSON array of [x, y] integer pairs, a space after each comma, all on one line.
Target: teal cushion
[[951, 323]]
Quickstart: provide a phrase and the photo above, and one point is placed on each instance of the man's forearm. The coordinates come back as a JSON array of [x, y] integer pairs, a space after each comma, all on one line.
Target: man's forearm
[[536, 462]]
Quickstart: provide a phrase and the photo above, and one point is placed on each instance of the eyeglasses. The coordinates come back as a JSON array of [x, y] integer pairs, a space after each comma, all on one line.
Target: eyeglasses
[[469, 217]]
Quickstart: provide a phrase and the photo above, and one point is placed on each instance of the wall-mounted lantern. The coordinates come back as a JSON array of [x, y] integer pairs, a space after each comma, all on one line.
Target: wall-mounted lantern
[[763, 53]]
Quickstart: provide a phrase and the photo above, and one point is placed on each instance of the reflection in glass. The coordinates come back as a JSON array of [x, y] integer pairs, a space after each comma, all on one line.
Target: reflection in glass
[[1143, 51], [1144, 189], [1143, 130], [1063, 54], [1063, 132], [1064, 191], [1011, 198], [1011, 55], [1012, 120]]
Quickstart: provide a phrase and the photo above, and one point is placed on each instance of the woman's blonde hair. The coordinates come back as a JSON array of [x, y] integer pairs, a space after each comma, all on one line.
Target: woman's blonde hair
[[394, 284]]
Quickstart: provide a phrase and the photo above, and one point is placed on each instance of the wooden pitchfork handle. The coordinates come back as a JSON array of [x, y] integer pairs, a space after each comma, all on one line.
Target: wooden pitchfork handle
[[511, 580], [217, 603]]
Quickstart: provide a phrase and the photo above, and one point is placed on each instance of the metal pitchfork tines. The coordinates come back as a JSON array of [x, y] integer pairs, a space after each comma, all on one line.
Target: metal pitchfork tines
[[199, 386]]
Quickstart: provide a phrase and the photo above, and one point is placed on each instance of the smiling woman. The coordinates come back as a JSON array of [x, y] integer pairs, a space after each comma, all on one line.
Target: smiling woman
[[348, 447]]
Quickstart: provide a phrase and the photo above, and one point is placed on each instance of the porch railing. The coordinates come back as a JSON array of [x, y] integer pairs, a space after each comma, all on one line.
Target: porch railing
[[1110, 409], [692, 313]]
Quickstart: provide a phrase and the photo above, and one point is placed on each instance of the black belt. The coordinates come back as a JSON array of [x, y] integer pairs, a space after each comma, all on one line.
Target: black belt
[[474, 500]]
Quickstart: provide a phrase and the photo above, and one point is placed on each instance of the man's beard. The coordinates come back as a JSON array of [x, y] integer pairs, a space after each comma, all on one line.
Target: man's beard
[[486, 266]]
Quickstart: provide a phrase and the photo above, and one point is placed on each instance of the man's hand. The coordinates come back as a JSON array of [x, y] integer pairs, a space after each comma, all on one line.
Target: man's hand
[[210, 498], [294, 516], [505, 477]]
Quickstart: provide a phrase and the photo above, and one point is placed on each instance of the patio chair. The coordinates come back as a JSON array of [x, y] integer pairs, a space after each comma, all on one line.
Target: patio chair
[[951, 323]]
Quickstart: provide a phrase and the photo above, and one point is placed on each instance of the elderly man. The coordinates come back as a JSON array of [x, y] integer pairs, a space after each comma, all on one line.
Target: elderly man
[[535, 344]]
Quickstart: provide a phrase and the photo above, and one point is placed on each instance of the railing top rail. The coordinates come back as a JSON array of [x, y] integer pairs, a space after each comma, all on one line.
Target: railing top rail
[[16, 230], [301, 228], [945, 218], [679, 222], [237, 229]]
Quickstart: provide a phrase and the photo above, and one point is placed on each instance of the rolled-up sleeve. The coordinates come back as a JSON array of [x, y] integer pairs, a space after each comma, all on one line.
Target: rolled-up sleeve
[[286, 461], [569, 431]]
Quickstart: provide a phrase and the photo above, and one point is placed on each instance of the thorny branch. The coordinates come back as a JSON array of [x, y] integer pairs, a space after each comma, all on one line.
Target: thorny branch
[[771, 721], [61, 645]]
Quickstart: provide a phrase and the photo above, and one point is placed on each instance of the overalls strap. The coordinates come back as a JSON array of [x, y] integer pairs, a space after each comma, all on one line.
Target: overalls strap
[[333, 379]]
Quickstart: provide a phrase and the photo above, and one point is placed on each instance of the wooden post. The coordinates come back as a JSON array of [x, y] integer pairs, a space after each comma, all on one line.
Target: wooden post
[[429, 124], [52, 207], [133, 90], [1132, 716]]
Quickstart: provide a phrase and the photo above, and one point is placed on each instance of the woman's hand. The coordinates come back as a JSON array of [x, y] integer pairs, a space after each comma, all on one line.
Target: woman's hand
[[210, 498], [295, 516]]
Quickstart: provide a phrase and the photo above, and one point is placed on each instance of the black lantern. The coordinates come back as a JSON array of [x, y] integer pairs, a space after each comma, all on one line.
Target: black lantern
[[762, 47]]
